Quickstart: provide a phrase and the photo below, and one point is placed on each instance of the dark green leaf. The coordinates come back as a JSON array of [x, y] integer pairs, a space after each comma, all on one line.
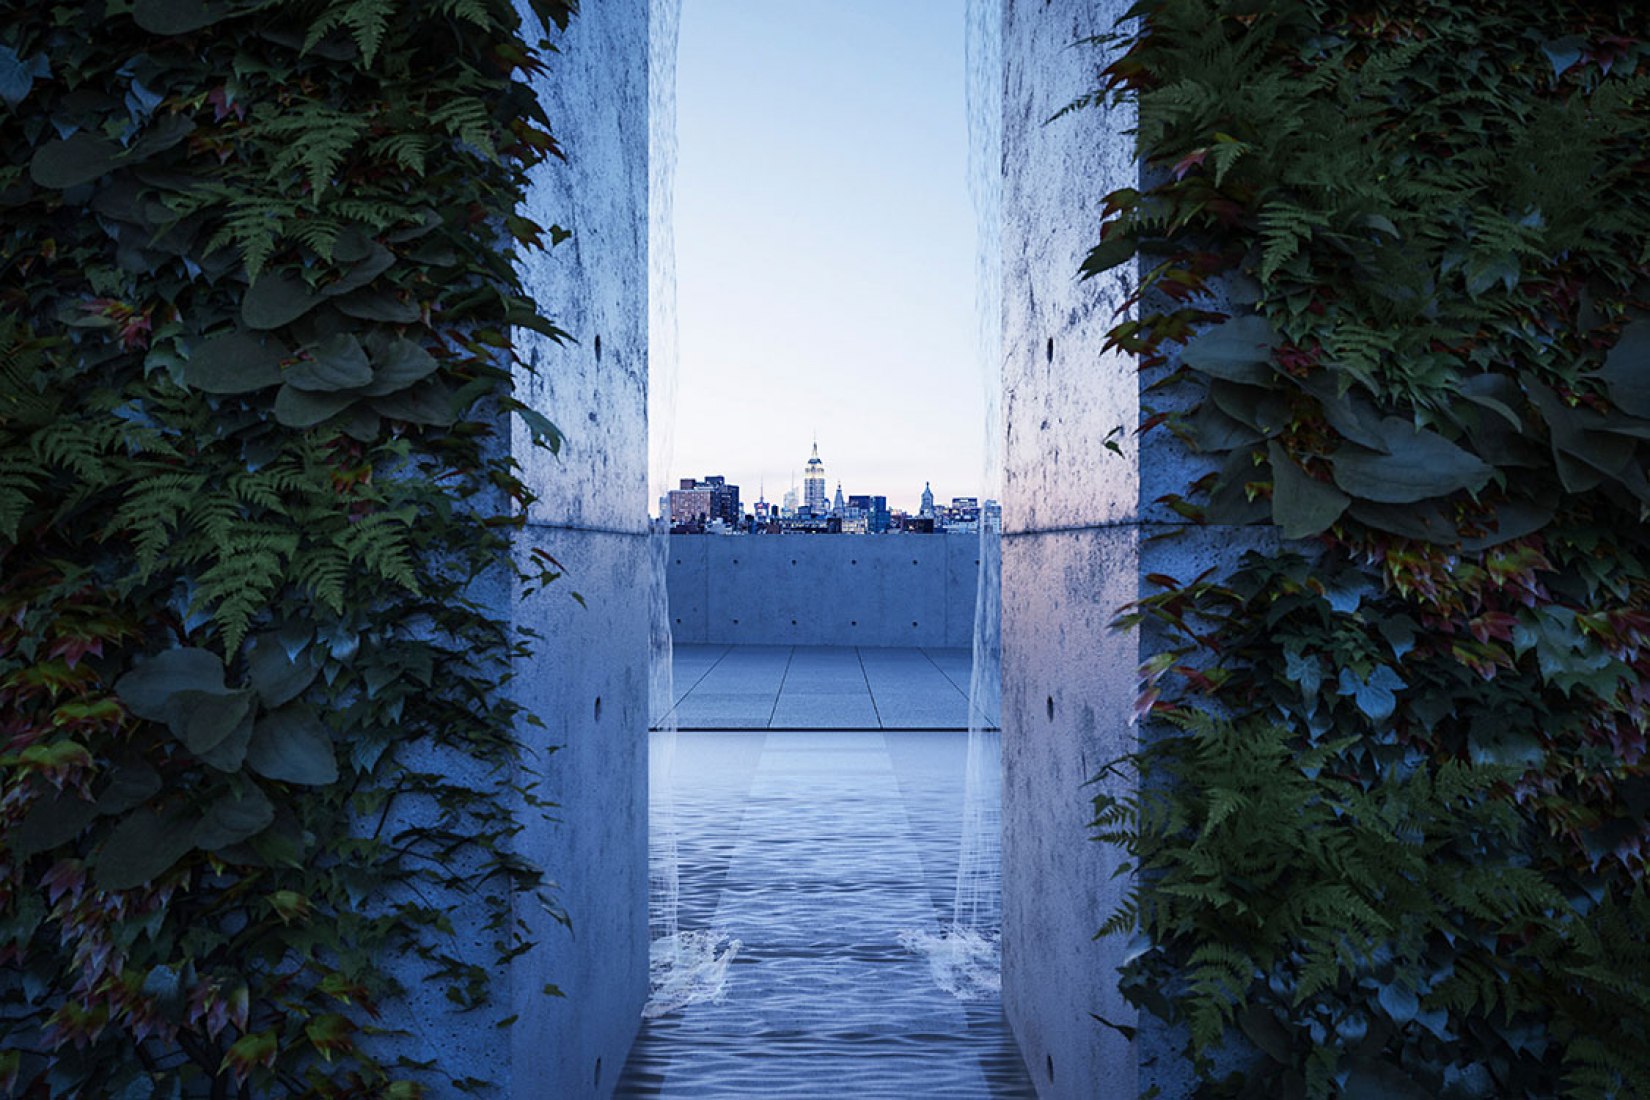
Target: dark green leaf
[[336, 363], [130, 784], [1239, 351], [1212, 431], [148, 687], [379, 260], [293, 745], [430, 403], [69, 162], [236, 362], [1422, 465], [141, 848], [178, 16], [55, 818], [277, 678], [1627, 370], [203, 719], [228, 755], [1425, 523], [302, 409], [276, 299], [1261, 408], [378, 305], [1513, 519], [398, 365], [234, 817], [1302, 505]]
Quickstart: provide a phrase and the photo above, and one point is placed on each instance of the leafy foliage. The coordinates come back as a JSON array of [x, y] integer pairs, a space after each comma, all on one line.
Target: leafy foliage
[[254, 349], [1395, 789]]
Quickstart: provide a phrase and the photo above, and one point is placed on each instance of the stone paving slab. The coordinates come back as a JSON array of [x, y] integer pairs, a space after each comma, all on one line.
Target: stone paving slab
[[821, 687]]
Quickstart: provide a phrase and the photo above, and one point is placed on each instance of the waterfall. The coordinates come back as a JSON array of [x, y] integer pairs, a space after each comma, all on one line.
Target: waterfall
[[965, 955], [684, 967]]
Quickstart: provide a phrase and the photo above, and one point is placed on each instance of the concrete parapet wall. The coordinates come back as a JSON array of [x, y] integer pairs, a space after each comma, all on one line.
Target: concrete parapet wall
[[587, 681], [860, 590], [1071, 551]]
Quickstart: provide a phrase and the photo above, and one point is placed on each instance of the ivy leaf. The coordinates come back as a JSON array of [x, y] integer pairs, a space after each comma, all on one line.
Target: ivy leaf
[[235, 362], [291, 744], [147, 688], [141, 848], [234, 817], [17, 76], [1302, 505], [1422, 465], [1626, 370], [298, 408], [1374, 696], [277, 677], [1564, 52], [69, 162], [336, 363], [1239, 351], [1398, 1001], [545, 434], [179, 16]]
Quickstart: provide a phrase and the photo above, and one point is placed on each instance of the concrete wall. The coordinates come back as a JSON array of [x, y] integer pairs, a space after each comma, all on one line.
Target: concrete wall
[[1071, 551], [588, 679], [864, 590]]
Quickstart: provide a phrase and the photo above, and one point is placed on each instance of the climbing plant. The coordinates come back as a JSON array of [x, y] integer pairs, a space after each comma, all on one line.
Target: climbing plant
[[1391, 834], [255, 363]]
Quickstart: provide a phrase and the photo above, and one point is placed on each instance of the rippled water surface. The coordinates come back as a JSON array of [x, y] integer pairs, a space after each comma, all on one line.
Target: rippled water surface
[[818, 852]]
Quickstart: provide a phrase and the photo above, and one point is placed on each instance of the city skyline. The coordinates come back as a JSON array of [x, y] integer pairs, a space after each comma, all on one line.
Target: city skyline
[[825, 248], [751, 493]]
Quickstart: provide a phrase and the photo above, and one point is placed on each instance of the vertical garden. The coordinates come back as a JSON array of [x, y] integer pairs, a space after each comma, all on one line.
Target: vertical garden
[[256, 505], [1391, 838]]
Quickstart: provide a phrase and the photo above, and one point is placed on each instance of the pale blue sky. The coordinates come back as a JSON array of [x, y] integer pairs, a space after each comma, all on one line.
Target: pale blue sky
[[825, 247]]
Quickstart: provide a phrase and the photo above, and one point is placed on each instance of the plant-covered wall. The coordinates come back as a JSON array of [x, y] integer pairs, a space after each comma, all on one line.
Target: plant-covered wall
[[254, 379], [1391, 838]]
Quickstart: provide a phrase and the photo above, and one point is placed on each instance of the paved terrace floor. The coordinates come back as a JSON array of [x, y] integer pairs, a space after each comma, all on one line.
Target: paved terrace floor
[[723, 687]]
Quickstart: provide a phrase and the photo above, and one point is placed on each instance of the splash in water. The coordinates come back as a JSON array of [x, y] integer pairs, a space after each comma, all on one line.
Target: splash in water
[[964, 955], [684, 967]]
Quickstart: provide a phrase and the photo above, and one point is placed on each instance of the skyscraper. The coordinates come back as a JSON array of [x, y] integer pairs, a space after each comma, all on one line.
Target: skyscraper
[[814, 485], [837, 505], [927, 500]]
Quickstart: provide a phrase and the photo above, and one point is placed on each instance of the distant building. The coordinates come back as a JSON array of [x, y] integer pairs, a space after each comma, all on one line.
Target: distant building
[[813, 483], [874, 509], [837, 505], [698, 504], [787, 508], [927, 501]]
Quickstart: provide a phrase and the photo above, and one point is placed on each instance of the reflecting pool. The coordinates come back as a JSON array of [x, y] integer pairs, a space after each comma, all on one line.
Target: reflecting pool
[[812, 859]]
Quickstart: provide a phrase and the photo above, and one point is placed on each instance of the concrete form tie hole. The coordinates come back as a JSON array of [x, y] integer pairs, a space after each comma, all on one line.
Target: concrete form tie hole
[[1051, 708]]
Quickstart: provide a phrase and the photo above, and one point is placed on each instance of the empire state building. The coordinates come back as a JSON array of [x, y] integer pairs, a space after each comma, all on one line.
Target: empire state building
[[813, 483]]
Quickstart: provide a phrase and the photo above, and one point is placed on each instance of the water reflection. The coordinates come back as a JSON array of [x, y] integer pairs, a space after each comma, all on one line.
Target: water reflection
[[818, 852]]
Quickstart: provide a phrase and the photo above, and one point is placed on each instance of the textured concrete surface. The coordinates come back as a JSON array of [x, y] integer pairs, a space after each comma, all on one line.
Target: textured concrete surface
[[845, 590], [588, 679], [1070, 549], [724, 687]]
